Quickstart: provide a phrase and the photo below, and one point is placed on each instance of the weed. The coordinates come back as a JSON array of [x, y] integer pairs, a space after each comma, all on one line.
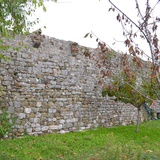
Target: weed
[[6, 123]]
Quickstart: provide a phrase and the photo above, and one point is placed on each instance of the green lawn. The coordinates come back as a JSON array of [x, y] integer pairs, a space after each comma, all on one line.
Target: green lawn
[[118, 143]]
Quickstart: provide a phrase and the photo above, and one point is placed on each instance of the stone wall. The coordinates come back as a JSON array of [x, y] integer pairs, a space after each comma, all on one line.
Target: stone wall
[[50, 89]]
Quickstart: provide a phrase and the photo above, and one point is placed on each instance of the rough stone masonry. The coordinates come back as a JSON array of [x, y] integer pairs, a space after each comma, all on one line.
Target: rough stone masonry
[[51, 89]]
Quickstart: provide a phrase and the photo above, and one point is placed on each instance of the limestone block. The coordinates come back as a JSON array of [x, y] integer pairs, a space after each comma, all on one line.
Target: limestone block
[[37, 129], [54, 127], [17, 104], [51, 104], [20, 126], [38, 125], [80, 124], [49, 70], [39, 104], [82, 128], [6, 83], [33, 125], [61, 121], [21, 115], [31, 117], [50, 119], [21, 130], [60, 126], [35, 110], [40, 86], [7, 78], [36, 120], [73, 129], [67, 114], [51, 110], [70, 120], [89, 125], [45, 128], [64, 72], [11, 109], [103, 121], [54, 119], [61, 99], [38, 115], [67, 125], [27, 110]]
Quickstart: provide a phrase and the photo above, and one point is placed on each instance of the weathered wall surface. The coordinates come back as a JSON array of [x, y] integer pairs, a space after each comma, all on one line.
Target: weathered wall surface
[[51, 90]]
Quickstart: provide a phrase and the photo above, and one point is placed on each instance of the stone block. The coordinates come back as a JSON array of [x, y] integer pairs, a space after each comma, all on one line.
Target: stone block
[[36, 120], [51, 110], [64, 72], [45, 128], [11, 109], [62, 121], [31, 116], [7, 78], [17, 104], [38, 115], [27, 110], [38, 125], [62, 131], [21, 130], [82, 128], [39, 104], [21, 115], [6, 83], [54, 127], [37, 129]]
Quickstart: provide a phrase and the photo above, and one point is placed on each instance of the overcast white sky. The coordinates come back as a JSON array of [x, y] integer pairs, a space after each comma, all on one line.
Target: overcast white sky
[[72, 19]]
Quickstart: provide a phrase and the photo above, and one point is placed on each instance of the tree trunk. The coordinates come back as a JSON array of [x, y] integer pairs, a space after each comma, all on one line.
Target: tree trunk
[[138, 121]]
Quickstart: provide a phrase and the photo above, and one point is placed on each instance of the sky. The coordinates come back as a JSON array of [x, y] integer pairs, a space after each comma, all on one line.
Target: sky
[[72, 19]]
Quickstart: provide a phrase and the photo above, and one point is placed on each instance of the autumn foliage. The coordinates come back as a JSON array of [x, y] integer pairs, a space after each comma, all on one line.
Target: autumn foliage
[[135, 81]]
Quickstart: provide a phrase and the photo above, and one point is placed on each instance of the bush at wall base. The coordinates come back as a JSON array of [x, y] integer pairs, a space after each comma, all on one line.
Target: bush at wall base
[[6, 123]]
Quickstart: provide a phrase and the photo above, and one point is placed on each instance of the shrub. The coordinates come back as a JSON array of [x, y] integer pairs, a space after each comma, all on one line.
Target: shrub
[[6, 123]]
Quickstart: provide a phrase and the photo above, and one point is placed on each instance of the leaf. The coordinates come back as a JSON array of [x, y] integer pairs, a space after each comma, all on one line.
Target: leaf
[[118, 17], [123, 16], [110, 9], [131, 49], [127, 42], [99, 65], [44, 9], [135, 35], [86, 35], [148, 151], [100, 82]]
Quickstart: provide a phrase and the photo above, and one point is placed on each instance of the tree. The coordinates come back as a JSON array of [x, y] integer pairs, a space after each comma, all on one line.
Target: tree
[[146, 27], [133, 84], [14, 18]]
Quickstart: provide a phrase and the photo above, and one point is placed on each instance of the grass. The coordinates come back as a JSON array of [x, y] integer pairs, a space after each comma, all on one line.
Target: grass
[[118, 143]]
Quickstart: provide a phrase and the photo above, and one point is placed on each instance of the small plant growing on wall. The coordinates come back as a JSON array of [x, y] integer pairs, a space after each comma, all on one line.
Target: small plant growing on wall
[[6, 123]]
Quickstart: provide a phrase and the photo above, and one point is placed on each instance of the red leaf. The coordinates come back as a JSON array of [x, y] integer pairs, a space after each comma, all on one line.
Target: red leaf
[[131, 49]]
